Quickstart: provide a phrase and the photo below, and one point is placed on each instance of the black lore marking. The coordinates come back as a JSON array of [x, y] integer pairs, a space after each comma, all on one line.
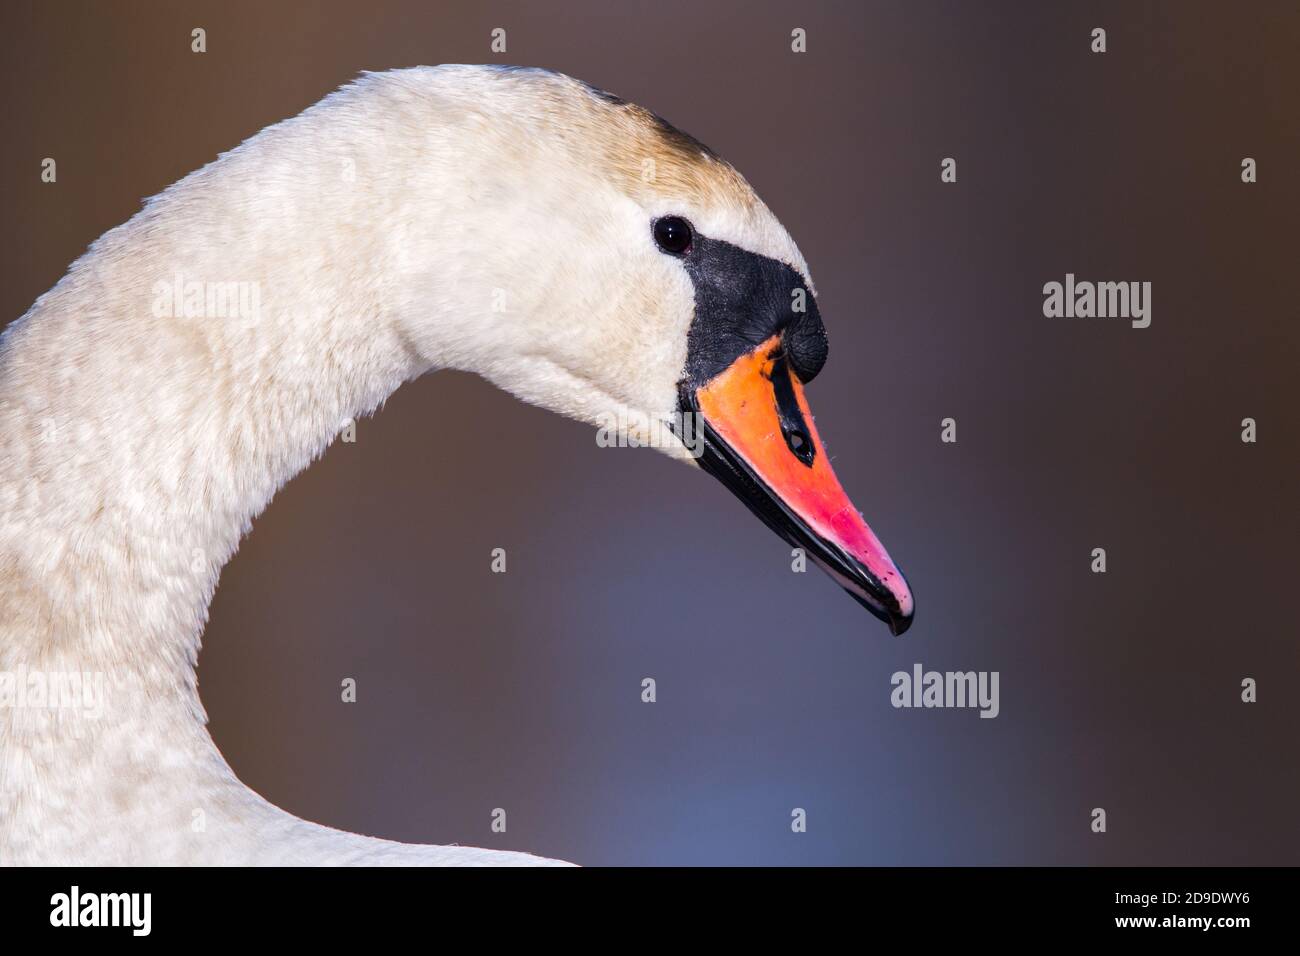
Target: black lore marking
[[743, 299]]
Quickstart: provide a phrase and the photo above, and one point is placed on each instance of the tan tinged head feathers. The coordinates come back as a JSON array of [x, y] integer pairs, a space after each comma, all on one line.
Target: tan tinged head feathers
[[517, 221]]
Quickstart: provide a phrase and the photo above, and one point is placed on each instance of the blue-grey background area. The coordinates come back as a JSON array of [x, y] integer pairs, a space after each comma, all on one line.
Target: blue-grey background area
[[522, 690]]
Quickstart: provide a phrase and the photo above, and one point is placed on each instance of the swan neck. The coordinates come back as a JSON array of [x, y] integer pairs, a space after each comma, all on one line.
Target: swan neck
[[152, 403]]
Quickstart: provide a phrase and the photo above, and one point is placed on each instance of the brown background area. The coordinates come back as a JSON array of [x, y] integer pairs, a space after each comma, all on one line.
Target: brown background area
[[522, 691]]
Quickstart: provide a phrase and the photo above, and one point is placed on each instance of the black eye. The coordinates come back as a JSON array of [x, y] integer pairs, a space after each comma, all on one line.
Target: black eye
[[673, 234]]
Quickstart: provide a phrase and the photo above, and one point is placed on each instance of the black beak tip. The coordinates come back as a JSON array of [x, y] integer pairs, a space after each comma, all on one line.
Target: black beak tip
[[899, 623], [882, 606]]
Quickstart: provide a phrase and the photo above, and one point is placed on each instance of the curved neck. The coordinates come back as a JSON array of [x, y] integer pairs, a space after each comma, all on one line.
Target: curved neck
[[151, 404], [188, 365]]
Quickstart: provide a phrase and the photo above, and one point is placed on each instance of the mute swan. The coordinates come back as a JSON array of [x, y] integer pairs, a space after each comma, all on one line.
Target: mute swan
[[571, 248]]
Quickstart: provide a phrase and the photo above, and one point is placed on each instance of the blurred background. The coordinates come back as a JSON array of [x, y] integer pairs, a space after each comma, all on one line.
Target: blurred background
[[523, 690]]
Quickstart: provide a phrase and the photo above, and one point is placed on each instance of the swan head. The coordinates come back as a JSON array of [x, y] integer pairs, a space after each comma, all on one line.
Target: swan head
[[625, 275]]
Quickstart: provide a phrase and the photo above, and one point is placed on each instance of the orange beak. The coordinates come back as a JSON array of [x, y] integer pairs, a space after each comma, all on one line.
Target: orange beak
[[759, 440]]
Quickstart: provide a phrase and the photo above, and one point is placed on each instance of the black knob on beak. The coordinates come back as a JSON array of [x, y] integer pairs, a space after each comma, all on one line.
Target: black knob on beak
[[804, 340]]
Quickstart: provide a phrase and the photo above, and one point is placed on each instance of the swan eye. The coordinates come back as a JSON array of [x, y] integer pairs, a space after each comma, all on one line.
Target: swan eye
[[673, 235]]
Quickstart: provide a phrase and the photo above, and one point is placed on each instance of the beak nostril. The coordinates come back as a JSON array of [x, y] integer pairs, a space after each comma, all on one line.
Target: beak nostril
[[799, 445]]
